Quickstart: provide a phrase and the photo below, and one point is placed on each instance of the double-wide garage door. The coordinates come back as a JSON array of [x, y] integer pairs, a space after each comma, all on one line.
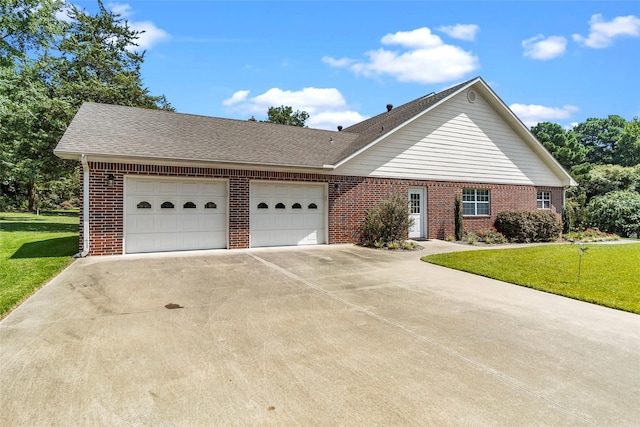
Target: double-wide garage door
[[175, 214], [285, 214]]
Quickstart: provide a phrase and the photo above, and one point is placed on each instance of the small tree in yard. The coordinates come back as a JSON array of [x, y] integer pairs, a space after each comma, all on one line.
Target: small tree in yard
[[458, 215], [387, 222]]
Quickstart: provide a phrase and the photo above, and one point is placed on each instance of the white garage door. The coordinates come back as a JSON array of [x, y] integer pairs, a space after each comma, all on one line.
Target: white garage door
[[285, 214], [175, 214]]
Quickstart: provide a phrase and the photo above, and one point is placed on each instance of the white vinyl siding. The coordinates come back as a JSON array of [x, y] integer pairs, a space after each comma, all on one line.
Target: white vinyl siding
[[456, 141], [475, 202], [544, 200]]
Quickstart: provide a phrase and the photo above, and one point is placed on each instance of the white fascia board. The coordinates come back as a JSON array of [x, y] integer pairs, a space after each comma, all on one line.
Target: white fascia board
[[397, 128]]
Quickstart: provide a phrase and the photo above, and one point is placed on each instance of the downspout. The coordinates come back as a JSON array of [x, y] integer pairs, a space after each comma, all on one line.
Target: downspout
[[85, 209]]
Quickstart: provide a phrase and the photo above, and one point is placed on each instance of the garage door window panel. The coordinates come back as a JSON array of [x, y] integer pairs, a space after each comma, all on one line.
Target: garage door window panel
[[189, 205]]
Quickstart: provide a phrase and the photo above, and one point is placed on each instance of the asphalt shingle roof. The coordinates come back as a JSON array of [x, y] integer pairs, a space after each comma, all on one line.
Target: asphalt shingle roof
[[118, 131]]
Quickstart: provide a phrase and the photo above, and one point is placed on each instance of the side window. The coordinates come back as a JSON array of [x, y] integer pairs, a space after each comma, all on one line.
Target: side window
[[475, 202], [544, 200]]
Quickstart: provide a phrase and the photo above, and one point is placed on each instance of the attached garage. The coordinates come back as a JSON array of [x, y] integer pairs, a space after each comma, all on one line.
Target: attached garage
[[174, 214], [287, 214]]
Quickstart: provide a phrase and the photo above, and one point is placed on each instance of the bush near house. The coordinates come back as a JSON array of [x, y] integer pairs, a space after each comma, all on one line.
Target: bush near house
[[526, 226], [387, 222], [616, 212]]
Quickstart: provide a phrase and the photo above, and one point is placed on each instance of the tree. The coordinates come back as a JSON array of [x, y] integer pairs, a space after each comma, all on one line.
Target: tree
[[600, 137], [628, 152], [26, 25], [616, 212], [603, 179], [561, 144], [284, 115], [40, 93]]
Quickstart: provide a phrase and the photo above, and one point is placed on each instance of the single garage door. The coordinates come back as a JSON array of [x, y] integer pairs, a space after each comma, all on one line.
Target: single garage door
[[175, 214], [285, 214]]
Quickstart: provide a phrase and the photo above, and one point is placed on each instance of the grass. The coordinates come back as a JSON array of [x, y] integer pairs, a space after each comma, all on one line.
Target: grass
[[33, 248], [609, 273]]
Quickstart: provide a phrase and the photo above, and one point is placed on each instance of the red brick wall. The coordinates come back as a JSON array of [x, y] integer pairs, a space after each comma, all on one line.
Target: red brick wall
[[348, 197]]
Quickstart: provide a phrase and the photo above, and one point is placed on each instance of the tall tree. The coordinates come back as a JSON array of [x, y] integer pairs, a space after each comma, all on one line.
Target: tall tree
[[42, 90], [284, 115], [601, 137], [628, 151], [562, 144]]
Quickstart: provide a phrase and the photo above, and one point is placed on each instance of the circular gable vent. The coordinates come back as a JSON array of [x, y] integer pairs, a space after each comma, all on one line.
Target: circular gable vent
[[471, 96]]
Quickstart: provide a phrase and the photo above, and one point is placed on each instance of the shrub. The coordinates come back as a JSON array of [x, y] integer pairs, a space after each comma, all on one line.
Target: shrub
[[525, 226], [589, 235], [387, 222], [616, 212], [471, 238], [491, 236]]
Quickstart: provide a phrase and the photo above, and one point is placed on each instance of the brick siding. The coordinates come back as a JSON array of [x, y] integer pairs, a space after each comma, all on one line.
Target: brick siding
[[348, 199]]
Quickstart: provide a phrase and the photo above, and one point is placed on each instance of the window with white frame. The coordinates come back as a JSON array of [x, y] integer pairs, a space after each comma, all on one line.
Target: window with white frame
[[475, 202], [544, 200]]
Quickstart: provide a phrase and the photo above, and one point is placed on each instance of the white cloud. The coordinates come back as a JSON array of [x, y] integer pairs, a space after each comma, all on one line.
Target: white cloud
[[425, 59], [602, 33], [342, 62], [542, 48], [327, 107], [422, 38], [150, 33], [532, 114], [332, 119], [237, 97], [460, 31], [123, 9]]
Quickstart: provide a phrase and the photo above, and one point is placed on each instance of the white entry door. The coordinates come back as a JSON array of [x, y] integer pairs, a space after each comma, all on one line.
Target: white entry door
[[418, 212], [287, 214]]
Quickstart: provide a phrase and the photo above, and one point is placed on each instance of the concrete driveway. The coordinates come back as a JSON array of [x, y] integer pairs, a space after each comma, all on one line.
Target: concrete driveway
[[331, 335]]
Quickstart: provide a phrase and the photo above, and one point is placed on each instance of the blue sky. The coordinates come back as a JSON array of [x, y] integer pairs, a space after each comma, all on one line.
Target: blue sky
[[343, 61]]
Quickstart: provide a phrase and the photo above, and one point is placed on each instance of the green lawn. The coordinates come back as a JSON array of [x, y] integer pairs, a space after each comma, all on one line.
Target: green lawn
[[610, 273], [33, 248]]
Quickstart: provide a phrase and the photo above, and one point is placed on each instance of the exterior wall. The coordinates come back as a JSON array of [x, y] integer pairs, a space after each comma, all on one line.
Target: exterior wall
[[457, 141], [348, 199]]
